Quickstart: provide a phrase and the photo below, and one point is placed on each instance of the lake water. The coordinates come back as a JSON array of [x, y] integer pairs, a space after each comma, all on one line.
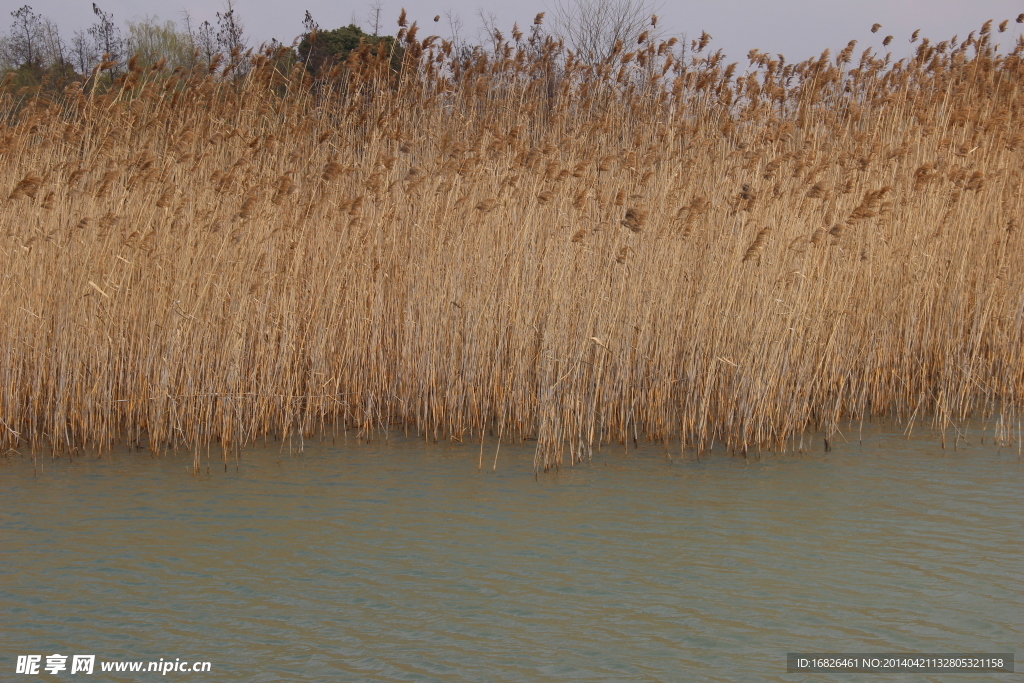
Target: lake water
[[402, 562]]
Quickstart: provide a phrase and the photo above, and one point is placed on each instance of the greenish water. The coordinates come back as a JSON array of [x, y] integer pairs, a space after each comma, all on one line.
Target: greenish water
[[400, 562]]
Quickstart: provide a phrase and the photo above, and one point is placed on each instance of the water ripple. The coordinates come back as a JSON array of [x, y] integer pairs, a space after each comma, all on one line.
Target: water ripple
[[395, 563]]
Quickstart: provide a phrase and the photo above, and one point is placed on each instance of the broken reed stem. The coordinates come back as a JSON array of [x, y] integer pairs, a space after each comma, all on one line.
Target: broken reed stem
[[515, 244]]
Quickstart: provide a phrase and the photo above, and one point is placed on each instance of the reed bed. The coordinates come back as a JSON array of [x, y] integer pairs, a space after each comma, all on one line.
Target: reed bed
[[660, 247]]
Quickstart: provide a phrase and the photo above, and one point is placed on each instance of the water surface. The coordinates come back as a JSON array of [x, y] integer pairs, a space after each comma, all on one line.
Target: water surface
[[402, 562]]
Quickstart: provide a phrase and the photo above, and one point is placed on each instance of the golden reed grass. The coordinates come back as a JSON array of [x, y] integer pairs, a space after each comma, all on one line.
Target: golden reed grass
[[513, 243]]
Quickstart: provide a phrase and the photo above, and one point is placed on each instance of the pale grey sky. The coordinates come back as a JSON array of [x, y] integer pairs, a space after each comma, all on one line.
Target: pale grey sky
[[796, 28]]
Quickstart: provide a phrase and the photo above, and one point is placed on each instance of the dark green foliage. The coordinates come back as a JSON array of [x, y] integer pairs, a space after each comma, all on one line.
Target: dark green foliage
[[321, 50], [47, 79]]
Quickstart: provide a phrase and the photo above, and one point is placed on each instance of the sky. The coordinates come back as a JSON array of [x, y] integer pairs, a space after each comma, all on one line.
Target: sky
[[797, 29]]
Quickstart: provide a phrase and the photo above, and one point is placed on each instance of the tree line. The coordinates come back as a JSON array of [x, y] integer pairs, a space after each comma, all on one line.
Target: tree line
[[34, 52]]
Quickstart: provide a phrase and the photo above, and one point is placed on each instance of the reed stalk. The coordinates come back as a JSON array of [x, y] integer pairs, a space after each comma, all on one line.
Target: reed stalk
[[512, 243]]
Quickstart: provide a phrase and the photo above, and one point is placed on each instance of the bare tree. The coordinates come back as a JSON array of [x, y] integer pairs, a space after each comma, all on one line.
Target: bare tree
[[230, 30], [186, 20], [455, 28], [310, 26], [107, 37], [27, 36], [55, 50], [593, 28], [376, 9], [206, 43], [83, 52], [489, 29]]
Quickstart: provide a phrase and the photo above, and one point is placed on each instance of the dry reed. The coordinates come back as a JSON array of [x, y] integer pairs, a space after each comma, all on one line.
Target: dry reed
[[516, 244]]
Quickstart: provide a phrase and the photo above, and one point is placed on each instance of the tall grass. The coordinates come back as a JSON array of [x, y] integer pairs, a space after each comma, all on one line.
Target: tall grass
[[659, 247]]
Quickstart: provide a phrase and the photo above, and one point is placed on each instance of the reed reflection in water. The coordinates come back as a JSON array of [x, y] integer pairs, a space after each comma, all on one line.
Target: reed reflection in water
[[400, 561]]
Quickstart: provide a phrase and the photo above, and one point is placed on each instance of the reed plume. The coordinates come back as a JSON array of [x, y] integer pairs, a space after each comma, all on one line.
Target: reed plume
[[457, 248]]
